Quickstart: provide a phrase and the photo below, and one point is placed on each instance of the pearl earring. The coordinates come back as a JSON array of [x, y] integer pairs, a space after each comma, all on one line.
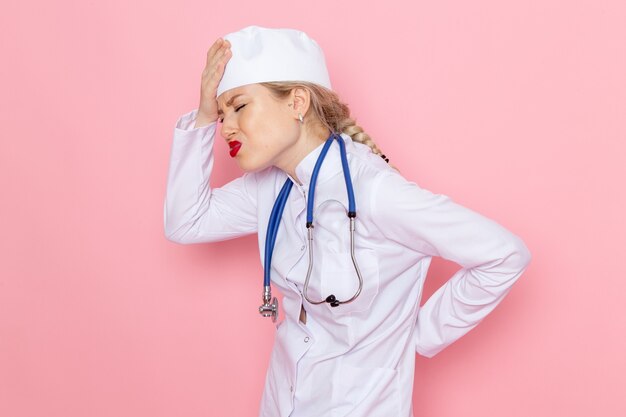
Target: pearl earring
[[300, 117]]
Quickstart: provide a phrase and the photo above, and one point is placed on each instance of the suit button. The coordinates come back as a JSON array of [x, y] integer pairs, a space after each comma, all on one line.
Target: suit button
[[306, 339], [302, 248]]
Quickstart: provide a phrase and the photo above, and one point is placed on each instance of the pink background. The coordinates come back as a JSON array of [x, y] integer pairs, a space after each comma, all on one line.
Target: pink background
[[514, 109]]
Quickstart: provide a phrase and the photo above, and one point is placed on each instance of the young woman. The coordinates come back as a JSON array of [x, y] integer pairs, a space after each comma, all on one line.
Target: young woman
[[346, 238]]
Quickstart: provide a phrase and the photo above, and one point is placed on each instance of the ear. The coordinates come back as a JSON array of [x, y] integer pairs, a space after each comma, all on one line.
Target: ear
[[301, 100]]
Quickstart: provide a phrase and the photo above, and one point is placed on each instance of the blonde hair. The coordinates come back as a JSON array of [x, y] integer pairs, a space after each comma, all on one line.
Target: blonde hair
[[329, 110]]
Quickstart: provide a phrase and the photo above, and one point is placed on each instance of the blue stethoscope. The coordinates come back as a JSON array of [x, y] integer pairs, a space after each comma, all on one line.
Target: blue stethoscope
[[271, 309]]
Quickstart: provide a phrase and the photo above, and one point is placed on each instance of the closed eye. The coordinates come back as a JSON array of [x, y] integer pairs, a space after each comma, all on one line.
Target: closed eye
[[221, 119]]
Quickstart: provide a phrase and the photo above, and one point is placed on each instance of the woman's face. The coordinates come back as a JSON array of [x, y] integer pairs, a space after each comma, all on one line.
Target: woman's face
[[259, 128]]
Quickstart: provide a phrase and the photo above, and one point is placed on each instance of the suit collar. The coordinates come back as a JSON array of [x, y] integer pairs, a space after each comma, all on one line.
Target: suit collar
[[331, 165]]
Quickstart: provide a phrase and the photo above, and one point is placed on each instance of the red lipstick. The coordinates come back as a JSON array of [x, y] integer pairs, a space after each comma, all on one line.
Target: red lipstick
[[234, 147]]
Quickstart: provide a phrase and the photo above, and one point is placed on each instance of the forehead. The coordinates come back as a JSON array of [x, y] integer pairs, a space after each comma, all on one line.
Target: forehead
[[228, 97]]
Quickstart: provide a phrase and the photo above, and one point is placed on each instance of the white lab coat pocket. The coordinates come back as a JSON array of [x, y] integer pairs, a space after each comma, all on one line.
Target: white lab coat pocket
[[366, 392], [339, 277]]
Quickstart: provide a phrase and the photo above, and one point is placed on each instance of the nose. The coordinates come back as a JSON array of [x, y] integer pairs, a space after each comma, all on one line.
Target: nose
[[228, 128]]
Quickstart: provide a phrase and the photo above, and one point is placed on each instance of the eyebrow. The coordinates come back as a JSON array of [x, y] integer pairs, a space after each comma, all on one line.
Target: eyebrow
[[228, 103]]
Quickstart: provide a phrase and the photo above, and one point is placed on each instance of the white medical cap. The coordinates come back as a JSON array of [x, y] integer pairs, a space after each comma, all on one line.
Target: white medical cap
[[263, 54]]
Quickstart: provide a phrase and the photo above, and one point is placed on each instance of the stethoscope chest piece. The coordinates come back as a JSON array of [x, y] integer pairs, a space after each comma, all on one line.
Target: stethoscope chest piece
[[268, 309]]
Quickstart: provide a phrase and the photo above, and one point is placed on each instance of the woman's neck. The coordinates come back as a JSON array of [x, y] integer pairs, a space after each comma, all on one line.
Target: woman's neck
[[306, 144]]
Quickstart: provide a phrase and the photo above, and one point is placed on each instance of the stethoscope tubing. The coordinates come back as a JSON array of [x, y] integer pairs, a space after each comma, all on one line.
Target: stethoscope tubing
[[272, 228], [268, 309]]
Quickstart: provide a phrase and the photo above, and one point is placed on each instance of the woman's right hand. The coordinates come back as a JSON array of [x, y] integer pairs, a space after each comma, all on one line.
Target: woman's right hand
[[217, 57]]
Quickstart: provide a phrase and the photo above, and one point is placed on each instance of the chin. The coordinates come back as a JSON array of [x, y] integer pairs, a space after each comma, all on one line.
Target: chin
[[250, 166]]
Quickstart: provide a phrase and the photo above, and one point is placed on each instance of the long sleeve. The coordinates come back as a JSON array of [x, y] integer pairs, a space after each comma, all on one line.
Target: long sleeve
[[492, 258], [194, 212]]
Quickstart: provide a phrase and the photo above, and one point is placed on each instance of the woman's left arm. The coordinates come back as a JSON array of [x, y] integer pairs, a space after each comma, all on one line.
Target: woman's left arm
[[492, 258]]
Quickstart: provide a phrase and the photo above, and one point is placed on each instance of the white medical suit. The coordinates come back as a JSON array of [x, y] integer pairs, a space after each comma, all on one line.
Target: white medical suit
[[356, 359]]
